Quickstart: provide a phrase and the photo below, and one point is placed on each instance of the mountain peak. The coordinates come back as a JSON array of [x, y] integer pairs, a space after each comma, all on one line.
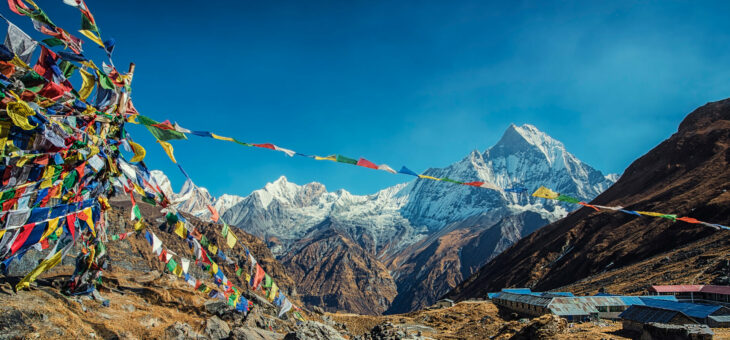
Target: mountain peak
[[518, 139]]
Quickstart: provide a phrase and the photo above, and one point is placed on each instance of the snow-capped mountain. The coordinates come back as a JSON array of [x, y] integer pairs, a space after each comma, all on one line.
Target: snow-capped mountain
[[404, 225]]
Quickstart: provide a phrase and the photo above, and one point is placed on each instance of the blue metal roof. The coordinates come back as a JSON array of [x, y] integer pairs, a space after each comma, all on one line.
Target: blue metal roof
[[694, 310], [492, 295], [517, 290]]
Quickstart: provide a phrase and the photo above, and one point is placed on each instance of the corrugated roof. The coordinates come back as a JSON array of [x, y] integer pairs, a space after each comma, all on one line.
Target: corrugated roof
[[720, 318], [564, 306], [493, 295], [603, 300], [645, 314], [725, 290], [694, 310], [676, 288], [517, 290], [523, 298], [636, 300]]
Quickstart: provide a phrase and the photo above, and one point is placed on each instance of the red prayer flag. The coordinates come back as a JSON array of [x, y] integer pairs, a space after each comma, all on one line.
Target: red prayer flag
[[258, 277], [13, 3], [266, 146], [22, 237], [71, 222], [688, 220], [366, 163], [475, 184], [588, 205], [213, 213]]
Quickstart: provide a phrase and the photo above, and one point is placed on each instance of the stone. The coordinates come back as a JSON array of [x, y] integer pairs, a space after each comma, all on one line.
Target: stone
[[217, 307], [181, 331], [246, 333], [217, 329], [315, 331], [547, 326]]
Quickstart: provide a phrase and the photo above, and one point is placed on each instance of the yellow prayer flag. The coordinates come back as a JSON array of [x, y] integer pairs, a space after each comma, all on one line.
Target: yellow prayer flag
[[168, 149], [178, 271], [92, 37], [428, 177], [222, 138], [2, 232], [139, 189], [180, 229], [139, 152], [48, 177], [89, 220], [87, 85], [19, 112], [19, 62], [328, 158], [649, 213], [45, 265], [546, 193], [213, 249], [231, 239], [273, 291], [52, 225], [213, 268], [139, 225]]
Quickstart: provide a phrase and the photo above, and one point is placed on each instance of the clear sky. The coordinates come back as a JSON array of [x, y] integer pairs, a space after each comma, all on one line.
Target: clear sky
[[416, 83]]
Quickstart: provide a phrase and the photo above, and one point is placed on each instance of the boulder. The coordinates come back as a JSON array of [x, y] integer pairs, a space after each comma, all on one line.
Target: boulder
[[216, 329], [545, 327], [182, 331], [217, 307], [246, 333], [314, 331]]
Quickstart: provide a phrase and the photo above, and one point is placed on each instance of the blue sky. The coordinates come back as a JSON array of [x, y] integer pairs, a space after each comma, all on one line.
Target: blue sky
[[406, 83]]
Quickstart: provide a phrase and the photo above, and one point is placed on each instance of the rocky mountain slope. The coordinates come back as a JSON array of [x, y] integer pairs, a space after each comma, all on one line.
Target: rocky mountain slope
[[686, 174], [417, 229]]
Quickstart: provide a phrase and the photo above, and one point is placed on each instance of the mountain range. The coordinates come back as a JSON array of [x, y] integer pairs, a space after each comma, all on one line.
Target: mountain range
[[687, 175], [404, 246]]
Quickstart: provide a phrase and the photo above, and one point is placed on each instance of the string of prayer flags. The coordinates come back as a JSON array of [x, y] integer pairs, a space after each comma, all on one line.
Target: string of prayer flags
[[546, 193]]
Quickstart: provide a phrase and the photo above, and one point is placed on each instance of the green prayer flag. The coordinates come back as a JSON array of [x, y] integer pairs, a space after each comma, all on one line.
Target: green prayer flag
[[225, 230], [86, 24], [115, 237], [171, 265], [232, 299], [671, 217], [343, 159], [171, 218], [70, 180], [160, 134], [267, 281], [204, 241], [136, 212], [53, 42], [239, 271], [104, 81], [446, 179], [67, 68], [568, 199], [7, 195]]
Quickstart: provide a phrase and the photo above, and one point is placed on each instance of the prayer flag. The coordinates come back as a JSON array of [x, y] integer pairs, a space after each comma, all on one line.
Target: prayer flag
[[213, 213], [168, 149], [366, 163], [231, 240], [544, 192], [139, 152]]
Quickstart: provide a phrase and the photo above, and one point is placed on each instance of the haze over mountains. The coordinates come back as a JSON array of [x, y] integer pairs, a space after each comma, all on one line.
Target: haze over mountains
[[401, 248]]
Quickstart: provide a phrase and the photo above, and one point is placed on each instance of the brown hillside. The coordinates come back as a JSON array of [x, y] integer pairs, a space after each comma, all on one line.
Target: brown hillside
[[686, 174]]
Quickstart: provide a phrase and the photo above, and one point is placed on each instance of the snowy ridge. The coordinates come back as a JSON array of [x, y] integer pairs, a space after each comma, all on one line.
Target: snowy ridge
[[395, 217]]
